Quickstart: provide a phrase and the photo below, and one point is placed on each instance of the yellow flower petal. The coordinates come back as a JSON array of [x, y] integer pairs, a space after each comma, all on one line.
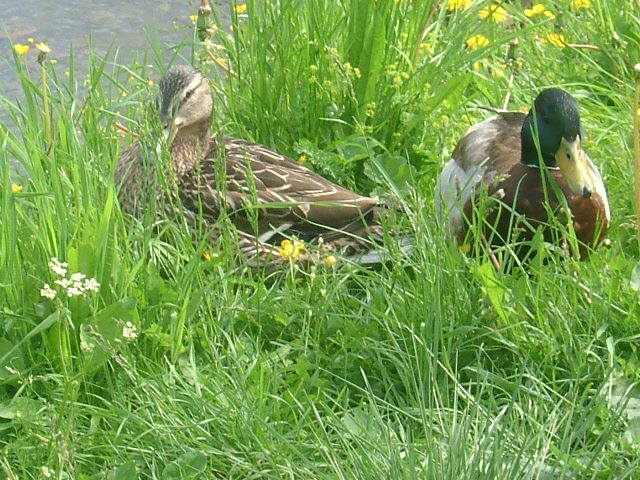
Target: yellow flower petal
[[21, 49], [458, 4], [292, 249], [30, 40], [43, 47], [556, 39], [330, 261], [206, 255], [495, 11], [465, 247], [477, 41], [193, 18], [579, 4], [538, 9], [16, 188], [240, 9]]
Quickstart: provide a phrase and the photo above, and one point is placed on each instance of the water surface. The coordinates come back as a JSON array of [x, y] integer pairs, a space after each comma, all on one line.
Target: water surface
[[126, 25]]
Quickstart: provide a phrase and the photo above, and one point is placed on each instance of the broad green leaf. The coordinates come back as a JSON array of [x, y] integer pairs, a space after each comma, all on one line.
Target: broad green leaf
[[42, 326], [101, 337], [127, 471], [14, 360], [186, 466], [493, 289], [634, 281]]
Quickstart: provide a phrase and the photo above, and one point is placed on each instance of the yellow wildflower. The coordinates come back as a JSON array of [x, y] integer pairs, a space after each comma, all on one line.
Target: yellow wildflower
[[43, 47], [292, 249], [302, 159], [458, 4], [21, 49], [495, 11], [556, 39], [193, 18], [330, 261], [30, 40], [206, 255], [240, 9], [477, 41], [578, 4], [16, 188], [538, 9]]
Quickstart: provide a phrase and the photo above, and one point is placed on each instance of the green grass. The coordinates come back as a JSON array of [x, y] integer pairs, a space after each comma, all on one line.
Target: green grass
[[434, 366]]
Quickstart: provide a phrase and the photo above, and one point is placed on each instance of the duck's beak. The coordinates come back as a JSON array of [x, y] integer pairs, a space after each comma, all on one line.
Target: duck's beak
[[574, 165], [169, 128]]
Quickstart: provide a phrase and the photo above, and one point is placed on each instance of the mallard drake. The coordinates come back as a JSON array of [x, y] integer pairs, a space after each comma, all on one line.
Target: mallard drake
[[267, 196], [503, 155]]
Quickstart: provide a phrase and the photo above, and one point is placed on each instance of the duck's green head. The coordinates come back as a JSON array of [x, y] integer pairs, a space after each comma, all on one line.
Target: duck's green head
[[553, 124], [184, 99]]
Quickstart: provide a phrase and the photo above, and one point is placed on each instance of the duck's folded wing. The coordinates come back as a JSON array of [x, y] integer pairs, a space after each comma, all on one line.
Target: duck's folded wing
[[486, 152], [286, 191]]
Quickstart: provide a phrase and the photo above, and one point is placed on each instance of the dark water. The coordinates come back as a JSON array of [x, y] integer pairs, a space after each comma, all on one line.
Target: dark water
[[119, 24]]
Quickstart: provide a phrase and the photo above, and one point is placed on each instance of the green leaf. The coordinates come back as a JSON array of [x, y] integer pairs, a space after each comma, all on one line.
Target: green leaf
[[42, 326], [452, 90], [634, 281], [14, 358], [103, 335], [493, 289], [371, 60], [387, 168], [127, 471], [186, 466], [25, 409]]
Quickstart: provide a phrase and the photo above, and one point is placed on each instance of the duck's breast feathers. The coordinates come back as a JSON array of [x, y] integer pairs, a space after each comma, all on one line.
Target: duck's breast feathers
[[600, 191]]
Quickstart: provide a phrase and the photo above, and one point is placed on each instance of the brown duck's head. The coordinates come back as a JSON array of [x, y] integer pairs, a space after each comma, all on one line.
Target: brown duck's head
[[184, 99], [552, 131]]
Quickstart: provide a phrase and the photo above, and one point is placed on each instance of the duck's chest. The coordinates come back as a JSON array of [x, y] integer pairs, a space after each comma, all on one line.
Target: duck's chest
[[529, 201]]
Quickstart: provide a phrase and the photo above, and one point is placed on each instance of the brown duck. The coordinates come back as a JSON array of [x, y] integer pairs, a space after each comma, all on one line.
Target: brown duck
[[267, 196], [509, 155]]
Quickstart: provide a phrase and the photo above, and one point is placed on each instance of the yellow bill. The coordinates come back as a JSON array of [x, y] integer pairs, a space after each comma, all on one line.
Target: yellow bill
[[575, 168]]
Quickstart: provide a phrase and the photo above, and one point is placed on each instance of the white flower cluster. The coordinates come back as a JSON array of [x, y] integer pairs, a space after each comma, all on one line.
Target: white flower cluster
[[129, 331], [77, 284]]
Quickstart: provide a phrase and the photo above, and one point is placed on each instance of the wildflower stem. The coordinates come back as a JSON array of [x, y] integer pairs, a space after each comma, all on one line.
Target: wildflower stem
[[203, 24], [220, 64], [46, 111], [636, 147], [124, 129]]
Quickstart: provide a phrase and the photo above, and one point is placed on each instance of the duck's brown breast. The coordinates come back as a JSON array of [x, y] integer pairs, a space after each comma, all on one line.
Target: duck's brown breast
[[524, 191]]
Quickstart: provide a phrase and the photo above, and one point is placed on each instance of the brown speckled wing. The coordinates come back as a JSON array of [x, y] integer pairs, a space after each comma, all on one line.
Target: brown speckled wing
[[280, 190]]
